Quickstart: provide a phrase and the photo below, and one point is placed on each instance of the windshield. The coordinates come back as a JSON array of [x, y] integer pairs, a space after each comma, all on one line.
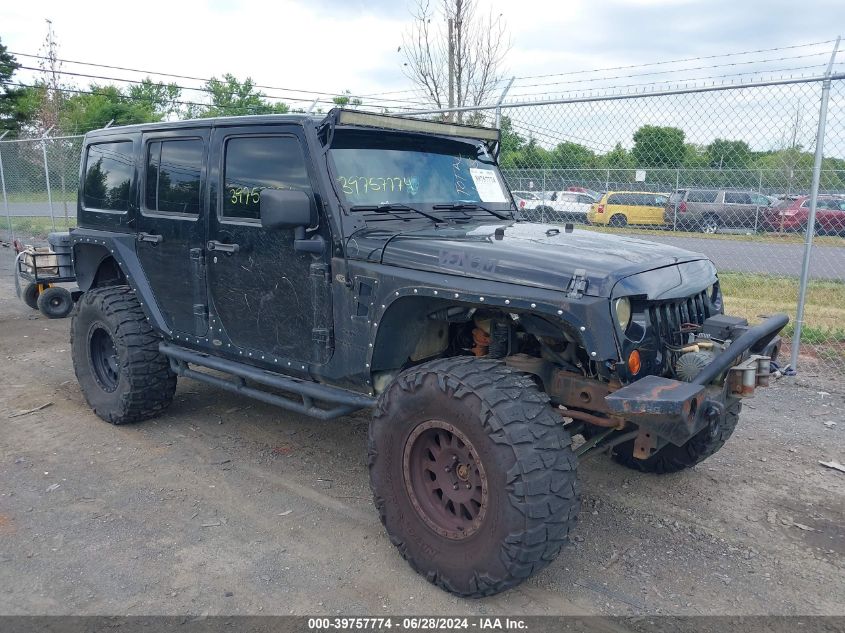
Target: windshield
[[374, 169]]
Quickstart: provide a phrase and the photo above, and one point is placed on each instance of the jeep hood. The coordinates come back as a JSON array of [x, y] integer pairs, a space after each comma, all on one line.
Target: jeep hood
[[538, 255]]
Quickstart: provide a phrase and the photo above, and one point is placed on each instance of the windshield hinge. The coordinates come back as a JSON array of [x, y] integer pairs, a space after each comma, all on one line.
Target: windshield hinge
[[577, 285]]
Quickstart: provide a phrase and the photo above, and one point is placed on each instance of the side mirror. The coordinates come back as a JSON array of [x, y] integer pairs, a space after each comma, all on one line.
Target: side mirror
[[285, 209]]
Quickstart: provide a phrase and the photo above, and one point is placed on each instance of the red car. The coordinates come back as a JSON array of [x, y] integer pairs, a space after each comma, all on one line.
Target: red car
[[792, 215]]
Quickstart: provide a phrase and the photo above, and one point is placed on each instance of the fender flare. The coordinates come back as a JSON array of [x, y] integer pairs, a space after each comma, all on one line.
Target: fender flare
[[92, 248]]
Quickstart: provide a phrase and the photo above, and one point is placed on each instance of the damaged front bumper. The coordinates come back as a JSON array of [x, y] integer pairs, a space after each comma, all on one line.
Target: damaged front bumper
[[675, 410]]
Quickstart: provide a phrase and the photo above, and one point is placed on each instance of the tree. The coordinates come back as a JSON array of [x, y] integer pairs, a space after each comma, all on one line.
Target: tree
[[17, 105], [568, 154], [100, 104], [617, 158], [454, 54], [160, 100], [511, 142], [725, 154], [230, 97], [52, 97], [656, 146], [347, 100]]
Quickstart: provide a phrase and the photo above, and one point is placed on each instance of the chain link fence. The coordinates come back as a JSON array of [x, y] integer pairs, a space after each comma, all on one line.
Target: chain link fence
[[39, 179], [726, 171]]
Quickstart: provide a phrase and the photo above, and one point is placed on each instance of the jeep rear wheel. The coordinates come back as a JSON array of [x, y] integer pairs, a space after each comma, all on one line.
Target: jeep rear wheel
[[671, 458], [619, 220], [472, 474], [115, 356]]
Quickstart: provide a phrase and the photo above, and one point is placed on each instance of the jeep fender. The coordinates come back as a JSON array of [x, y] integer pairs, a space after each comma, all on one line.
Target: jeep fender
[[101, 253], [400, 312]]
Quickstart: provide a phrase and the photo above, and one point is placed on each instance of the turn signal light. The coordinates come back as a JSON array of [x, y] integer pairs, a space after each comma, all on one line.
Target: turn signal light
[[634, 362]]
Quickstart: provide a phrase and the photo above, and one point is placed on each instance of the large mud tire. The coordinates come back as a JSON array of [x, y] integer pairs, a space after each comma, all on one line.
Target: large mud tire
[[671, 458], [522, 470], [122, 374]]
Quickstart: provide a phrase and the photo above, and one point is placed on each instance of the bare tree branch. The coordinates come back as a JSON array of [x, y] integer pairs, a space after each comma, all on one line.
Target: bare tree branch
[[480, 44]]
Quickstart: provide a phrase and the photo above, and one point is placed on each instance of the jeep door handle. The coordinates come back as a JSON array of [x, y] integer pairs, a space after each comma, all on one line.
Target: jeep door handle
[[214, 245], [150, 237]]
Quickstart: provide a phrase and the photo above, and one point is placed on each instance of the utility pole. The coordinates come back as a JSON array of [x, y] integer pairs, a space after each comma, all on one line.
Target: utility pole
[[451, 68], [459, 28]]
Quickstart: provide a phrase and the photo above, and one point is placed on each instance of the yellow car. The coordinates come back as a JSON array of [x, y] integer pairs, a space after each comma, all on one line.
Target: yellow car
[[621, 208]]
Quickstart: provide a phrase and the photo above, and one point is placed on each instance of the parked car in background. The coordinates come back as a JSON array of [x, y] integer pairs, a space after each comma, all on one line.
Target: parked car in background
[[562, 206], [526, 200], [590, 192], [709, 210], [621, 208], [792, 214]]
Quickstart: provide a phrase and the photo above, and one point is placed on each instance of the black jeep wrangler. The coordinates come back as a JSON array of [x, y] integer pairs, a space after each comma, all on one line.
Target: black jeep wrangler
[[334, 263]]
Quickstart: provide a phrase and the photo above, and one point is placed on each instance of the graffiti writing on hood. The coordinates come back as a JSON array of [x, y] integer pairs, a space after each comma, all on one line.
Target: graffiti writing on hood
[[460, 260]]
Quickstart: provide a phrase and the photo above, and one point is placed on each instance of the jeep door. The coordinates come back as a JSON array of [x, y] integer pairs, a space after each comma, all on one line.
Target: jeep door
[[171, 225], [268, 301]]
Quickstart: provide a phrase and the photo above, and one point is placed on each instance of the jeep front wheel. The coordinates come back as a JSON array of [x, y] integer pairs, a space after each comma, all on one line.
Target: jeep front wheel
[[122, 374], [472, 474]]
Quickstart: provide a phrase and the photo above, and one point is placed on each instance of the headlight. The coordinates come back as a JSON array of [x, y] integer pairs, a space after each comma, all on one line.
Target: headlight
[[622, 307]]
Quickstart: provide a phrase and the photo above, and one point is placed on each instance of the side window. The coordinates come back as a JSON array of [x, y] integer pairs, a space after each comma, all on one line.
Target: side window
[[759, 199], [173, 175], [108, 176], [255, 163], [702, 195], [734, 197], [616, 198], [582, 199]]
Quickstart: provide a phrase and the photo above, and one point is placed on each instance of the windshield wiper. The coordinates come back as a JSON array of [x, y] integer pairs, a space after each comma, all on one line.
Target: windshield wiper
[[387, 208], [462, 206]]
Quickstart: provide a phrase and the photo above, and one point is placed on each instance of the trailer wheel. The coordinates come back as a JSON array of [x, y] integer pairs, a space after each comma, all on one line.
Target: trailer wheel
[[472, 474], [55, 302], [122, 374], [30, 295]]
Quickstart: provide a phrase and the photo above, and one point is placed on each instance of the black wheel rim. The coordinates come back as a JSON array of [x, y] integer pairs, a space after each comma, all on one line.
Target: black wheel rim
[[445, 479], [104, 359], [57, 302]]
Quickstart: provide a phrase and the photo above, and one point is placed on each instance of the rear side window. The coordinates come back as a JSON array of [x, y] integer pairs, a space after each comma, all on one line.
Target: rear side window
[[173, 175], [256, 163], [108, 176], [617, 198], [677, 196], [734, 197], [702, 195]]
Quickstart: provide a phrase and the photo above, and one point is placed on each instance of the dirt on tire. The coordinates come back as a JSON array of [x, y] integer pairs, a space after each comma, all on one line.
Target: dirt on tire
[[532, 498], [141, 382]]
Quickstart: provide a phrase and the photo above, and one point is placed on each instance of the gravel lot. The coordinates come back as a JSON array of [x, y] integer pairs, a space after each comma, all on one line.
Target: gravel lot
[[228, 506]]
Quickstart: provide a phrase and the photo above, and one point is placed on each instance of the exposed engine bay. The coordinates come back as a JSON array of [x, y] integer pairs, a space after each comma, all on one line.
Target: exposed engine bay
[[581, 388]]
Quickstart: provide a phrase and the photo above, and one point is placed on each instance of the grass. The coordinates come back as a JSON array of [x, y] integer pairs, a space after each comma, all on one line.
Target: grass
[[769, 238], [753, 295], [35, 227], [69, 195]]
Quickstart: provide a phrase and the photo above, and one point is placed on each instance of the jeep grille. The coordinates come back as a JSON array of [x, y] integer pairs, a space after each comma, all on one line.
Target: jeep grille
[[673, 320]]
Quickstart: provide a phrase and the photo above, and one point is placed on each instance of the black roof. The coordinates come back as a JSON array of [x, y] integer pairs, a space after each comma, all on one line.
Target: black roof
[[257, 119]]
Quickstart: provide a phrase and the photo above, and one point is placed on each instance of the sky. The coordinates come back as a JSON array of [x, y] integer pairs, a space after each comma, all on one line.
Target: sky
[[336, 45]]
